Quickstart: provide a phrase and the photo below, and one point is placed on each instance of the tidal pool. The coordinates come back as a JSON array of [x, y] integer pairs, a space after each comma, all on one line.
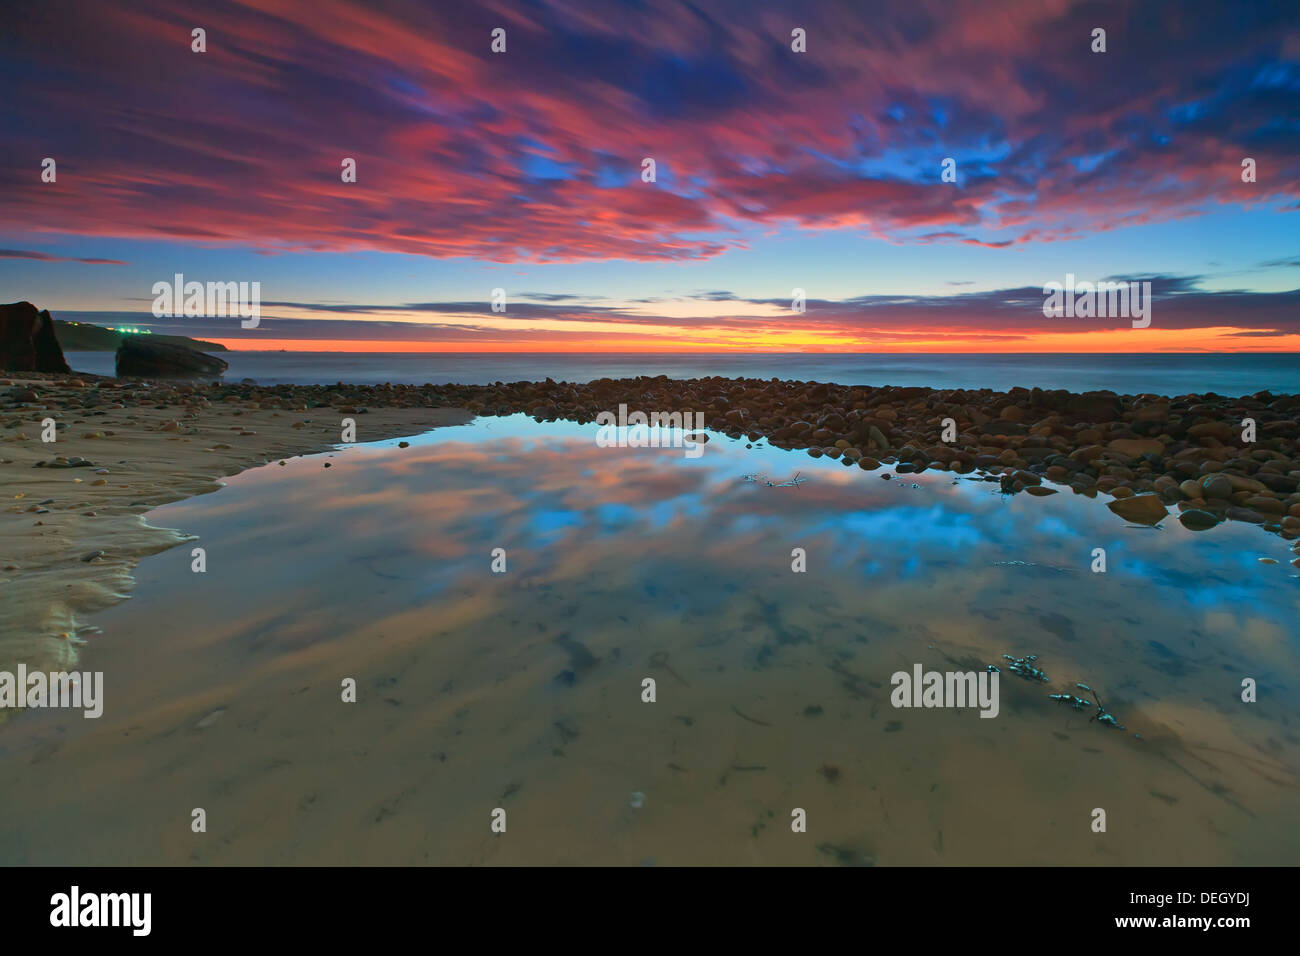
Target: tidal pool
[[523, 691]]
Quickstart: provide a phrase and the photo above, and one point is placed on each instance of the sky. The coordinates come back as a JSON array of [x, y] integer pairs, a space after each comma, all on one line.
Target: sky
[[776, 169]]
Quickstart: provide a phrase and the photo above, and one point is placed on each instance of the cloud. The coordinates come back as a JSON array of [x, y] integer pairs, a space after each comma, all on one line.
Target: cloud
[[996, 316], [46, 257], [535, 155]]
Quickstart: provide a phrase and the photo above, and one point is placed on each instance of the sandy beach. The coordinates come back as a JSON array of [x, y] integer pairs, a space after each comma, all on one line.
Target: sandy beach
[[71, 533], [74, 525], [521, 690]]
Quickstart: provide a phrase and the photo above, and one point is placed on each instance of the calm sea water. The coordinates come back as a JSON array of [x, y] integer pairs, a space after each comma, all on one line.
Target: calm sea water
[[1132, 374], [522, 691]]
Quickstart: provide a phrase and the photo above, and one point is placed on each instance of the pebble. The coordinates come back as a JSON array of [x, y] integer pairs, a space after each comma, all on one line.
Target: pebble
[[1217, 486], [1140, 509], [1195, 520]]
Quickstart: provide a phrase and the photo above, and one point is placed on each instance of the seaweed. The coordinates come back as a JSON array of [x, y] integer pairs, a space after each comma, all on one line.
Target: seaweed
[[1024, 667]]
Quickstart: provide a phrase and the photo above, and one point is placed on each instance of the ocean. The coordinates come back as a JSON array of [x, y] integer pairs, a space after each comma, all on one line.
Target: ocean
[[1128, 373]]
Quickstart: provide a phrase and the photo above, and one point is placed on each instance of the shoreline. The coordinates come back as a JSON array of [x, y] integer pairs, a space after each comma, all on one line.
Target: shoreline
[[1210, 457], [73, 532]]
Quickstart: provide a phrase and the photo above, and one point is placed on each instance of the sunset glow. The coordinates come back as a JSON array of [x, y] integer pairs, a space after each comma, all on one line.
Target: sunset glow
[[775, 172]]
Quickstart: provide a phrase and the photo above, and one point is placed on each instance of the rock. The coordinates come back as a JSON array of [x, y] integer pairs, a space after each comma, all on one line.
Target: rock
[[1218, 430], [1140, 509], [1245, 514], [1034, 453], [1217, 486], [1094, 407], [1241, 483], [1265, 504], [1003, 427], [1040, 491], [1282, 484], [1136, 447], [1011, 413], [139, 358], [1195, 520], [27, 340]]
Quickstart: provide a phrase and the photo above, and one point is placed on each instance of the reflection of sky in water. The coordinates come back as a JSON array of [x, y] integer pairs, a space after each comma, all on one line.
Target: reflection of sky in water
[[623, 562], [851, 522]]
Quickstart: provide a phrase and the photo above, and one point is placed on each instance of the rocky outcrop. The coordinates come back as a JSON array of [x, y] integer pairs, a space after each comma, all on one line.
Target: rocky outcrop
[[27, 340], [138, 357]]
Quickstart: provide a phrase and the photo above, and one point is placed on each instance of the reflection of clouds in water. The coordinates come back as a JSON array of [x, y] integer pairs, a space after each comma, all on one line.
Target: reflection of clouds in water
[[547, 527], [1054, 527], [380, 567], [658, 533], [457, 492], [508, 486]]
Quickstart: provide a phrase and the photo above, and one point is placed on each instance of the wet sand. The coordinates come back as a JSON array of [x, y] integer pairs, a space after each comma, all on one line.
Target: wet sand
[[521, 691], [149, 445]]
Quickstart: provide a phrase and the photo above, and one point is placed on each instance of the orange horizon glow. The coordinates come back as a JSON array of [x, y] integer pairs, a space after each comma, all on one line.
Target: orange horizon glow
[[1129, 341]]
